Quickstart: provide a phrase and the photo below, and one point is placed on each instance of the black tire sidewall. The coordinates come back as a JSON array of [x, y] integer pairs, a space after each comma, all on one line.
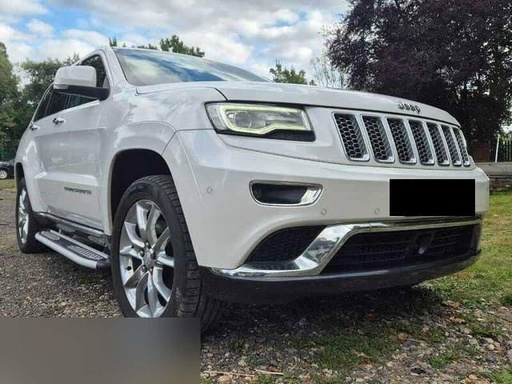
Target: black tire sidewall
[[145, 189], [31, 245]]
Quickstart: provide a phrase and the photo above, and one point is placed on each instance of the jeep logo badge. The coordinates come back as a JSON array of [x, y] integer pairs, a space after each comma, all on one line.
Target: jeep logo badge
[[409, 107]]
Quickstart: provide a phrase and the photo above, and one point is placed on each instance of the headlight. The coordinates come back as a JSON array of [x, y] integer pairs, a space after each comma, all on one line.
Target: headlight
[[260, 120]]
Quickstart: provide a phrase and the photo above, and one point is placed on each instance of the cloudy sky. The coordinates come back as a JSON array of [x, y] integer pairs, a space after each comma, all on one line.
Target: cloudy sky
[[249, 33]]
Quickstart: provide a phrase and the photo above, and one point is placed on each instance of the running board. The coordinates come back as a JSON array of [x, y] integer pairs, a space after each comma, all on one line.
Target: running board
[[75, 251]]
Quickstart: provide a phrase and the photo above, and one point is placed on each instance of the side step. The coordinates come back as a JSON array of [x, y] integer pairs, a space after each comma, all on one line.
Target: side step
[[74, 250]]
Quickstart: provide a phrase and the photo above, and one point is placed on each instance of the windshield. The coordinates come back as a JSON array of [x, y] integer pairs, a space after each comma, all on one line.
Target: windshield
[[145, 67]]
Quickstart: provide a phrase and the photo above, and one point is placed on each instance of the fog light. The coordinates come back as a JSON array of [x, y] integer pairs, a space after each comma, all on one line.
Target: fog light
[[284, 194]]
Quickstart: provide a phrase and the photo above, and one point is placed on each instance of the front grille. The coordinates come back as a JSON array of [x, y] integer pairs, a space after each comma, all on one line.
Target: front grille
[[421, 141], [382, 138], [402, 142], [353, 142], [378, 139], [452, 147], [367, 251], [286, 244]]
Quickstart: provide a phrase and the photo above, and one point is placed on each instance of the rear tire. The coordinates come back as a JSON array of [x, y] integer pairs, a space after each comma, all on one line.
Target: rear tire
[[26, 224], [4, 174], [154, 267]]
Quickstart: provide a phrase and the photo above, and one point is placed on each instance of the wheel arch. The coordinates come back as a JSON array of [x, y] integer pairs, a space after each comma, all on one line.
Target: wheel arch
[[19, 173], [128, 166]]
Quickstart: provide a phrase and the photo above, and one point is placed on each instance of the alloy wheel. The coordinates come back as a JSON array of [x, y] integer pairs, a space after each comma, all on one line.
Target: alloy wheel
[[146, 259], [23, 218]]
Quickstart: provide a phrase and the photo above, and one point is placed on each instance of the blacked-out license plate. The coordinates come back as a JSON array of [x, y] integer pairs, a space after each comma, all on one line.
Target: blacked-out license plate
[[430, 197]]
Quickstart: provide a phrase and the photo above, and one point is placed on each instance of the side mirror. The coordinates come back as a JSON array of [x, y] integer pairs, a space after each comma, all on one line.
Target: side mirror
[[79, 80]]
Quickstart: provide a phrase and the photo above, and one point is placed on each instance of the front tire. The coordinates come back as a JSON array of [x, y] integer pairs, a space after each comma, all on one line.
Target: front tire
[[154, 268], [26, 225]]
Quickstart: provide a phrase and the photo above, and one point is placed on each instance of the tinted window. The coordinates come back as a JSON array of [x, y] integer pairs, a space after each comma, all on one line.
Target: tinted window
[[101, 73], [155, 67], [57, 103], [43, 104]]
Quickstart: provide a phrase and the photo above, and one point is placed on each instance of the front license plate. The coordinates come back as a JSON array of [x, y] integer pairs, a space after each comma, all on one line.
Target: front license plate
[[430, 197]]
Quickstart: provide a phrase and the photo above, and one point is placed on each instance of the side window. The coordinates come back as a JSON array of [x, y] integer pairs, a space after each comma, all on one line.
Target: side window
[[101, 74], [76, 100], [43, 105], [57, 102]]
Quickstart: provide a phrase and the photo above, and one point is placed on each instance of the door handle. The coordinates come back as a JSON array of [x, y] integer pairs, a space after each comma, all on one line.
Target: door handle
[[34, 127], [58, 121]]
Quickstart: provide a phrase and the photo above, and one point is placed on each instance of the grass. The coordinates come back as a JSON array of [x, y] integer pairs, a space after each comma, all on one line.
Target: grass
[[501, 376], [8, 185], [487, 284], [489, 281], [443, 359]]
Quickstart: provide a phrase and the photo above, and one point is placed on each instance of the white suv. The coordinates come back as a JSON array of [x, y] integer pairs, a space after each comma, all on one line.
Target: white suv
[[198, 182]]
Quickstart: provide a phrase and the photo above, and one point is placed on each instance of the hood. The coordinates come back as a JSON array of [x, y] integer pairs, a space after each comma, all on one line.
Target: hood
[[312, 96]]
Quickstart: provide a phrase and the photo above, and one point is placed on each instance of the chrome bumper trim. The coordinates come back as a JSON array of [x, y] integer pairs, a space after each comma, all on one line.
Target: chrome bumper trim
[[320, 252]]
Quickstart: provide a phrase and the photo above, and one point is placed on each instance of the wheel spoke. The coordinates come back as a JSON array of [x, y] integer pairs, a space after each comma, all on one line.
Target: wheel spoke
[[140, 290], [165, 260], [142, 220], [132, 235], [25, 228], [135, 279], [158, 282], [154, 214], [129, 251], [162, 241], [152, 296]]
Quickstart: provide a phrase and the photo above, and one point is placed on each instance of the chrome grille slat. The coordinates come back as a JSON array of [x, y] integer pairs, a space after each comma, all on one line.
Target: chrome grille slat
[[401, 140], [462, 146], [452, 146], [439, 145], [413, 141], [378, 139], [351, 137], [421, 140]]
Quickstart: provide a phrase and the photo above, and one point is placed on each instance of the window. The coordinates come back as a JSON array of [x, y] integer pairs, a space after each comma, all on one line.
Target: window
[[57, 103], [154, 67], [101, 74], [43, 104]]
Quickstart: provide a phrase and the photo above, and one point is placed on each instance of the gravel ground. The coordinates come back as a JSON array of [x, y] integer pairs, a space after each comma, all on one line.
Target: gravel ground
[[408, 336]]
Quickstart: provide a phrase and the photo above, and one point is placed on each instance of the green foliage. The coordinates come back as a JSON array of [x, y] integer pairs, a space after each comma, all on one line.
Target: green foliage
[[452, 54], [9, 97], [148, 46], [174, 44], [284, 75], [112, 41]]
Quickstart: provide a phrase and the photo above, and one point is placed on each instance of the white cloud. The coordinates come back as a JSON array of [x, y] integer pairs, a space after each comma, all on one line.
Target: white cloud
[[252, 34], [40, 28], [22, 7]]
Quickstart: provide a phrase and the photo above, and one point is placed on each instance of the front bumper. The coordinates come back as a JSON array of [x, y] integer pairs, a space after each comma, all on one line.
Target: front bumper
[[266, 290], [321, 251], [226, 224]]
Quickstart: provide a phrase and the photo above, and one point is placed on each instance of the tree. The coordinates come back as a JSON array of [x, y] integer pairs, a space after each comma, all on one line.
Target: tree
[[174, 44], [8, 101], [112, 41], [453, 54], [149, 46], [325, 75], [284, 75]]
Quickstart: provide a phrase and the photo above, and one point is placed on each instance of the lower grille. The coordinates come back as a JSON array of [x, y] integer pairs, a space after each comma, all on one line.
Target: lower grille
[[368, 251], [286, 244]]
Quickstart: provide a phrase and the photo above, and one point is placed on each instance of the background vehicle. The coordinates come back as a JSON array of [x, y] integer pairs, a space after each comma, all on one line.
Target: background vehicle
[[197, 182], [6, 169]]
